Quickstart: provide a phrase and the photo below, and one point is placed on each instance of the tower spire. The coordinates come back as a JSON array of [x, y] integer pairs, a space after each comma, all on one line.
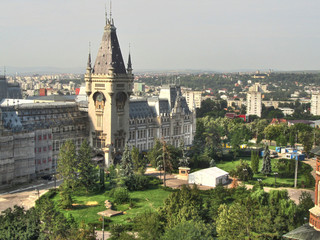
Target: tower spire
[[110, 10], [129, 68], [89, 60], [105, 13]]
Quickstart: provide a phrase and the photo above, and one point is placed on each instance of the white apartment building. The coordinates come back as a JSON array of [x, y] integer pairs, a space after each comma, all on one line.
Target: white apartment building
[[193, 98], [254, 101], [315, 103]]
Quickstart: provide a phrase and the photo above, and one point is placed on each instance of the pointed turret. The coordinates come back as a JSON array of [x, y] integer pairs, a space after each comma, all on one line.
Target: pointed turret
[[89, 63], [88, 75], [109, 58], [129, 68]]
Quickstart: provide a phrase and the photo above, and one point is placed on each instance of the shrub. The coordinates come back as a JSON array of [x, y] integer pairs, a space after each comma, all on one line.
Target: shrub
[[120, 195], [137, 182], [243, 171]]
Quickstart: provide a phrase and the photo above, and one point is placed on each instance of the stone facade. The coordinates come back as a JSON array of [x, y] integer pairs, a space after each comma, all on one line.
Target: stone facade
[[33, 135], [115, 119], [109, 86]]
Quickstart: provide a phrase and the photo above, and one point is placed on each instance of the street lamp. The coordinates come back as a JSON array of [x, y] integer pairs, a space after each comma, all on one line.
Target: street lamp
[[245, 171], [102, 227]]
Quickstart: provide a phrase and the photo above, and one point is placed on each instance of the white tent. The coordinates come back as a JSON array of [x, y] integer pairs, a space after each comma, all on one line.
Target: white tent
[[209, 177]]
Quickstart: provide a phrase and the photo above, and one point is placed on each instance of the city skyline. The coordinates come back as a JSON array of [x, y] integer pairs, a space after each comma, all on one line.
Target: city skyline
[[206, 35]]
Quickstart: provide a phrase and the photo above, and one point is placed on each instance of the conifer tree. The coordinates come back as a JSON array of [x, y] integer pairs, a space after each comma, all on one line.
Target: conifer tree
[[266, 168], [87, 172], [254, 161], [67, 164], [126, 163]]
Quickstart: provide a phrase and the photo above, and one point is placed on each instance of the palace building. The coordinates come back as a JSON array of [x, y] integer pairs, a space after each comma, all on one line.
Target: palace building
[[108, 116]]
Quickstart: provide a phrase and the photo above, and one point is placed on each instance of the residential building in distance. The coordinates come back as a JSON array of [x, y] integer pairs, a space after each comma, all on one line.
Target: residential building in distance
[[315, 103], [254, 100], [193, 98]]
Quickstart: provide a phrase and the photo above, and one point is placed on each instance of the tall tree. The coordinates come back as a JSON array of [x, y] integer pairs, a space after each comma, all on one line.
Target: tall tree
[[166, 160], [266, 167], [254, 161], [67, 164], [139, 163], [126, 163], [307, 140], [154, 153], [87, 173], [235, 143]]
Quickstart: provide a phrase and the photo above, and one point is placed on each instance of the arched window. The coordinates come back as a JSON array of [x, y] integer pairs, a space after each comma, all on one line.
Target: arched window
[[121, 99]]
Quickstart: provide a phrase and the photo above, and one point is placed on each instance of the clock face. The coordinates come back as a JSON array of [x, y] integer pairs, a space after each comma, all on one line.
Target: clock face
[[100, 98]]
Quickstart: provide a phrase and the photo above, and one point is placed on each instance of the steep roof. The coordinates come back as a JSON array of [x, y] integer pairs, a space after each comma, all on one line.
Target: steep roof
[[109, 54], [140, 109]]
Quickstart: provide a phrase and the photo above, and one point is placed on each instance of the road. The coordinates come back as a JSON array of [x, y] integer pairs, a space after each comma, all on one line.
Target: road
[[25, 196]]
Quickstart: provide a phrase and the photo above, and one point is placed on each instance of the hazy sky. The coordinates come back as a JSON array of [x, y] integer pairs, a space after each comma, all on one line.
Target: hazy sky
[[166, 34]]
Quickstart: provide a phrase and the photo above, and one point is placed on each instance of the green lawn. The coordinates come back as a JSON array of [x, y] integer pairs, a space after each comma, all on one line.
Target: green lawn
[[268, 180], [142, 201]]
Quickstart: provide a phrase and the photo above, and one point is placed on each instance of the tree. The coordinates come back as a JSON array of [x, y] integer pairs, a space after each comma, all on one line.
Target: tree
[[235, 221], [87, 173], [66, 198], [139, 163], [243, 171], [281, 140], [255, 161], [18, 223], [166, 160], [266, 167], [306, 138], [305, 203], [191, 230], [154, 153], [148, 225], [183, 205], [272, 132], [126, 163], [235, 143], [67, 164]]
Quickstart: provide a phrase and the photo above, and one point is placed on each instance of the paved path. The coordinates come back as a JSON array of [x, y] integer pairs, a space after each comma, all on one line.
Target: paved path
[[25, 196]]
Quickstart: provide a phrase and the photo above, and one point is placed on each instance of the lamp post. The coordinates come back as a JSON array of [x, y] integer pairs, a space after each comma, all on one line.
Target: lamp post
[[102, 227], [245, 171], [259, 181]]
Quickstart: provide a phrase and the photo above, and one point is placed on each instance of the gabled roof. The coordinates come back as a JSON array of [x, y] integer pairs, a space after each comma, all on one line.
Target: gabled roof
[[305, 232], [109, 54], [277, 121], [316, 151]]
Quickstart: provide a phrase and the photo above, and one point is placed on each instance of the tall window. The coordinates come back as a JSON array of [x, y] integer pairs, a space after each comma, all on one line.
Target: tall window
[[99, 121]]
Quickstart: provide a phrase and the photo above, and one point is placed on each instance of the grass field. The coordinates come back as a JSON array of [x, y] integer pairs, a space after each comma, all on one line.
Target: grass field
[[142, 201], [268, 180]]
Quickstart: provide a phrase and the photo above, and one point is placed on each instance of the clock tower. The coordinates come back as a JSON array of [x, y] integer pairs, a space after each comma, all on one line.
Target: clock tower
[[109, 86]]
